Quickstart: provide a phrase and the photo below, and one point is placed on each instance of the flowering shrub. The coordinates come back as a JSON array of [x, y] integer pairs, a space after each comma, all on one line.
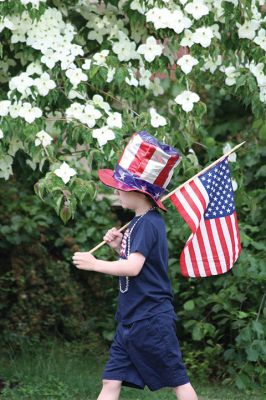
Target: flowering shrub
[[79, 77]]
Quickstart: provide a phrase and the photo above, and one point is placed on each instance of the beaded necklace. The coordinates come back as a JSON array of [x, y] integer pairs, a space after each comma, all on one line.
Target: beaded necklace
[[128, 251]]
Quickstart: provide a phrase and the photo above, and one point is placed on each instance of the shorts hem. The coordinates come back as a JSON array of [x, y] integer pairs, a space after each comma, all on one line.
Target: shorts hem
[[174, 383], [124, 380]]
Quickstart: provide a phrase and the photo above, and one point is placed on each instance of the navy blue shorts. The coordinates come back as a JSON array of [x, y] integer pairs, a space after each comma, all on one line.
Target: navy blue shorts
[[147, 352]]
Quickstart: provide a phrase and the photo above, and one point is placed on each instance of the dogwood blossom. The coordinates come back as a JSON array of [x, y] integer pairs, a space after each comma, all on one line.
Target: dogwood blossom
[[74, 111], [103, 135], [87, 64], [43, 138], [248, 29], [203, 36], [110, 74], [186, 63], [197, 9], [14, 109], [187, 39], [65, 172], [132, 81], [211, 64], [90, 115], [260, 39], [159, 17], [187, 99], [50, 58], [232, 156], [76, 76], [44, 84], [156, 119], [156, 87], [114, 120], [124, 48], [4, 107], [231, 74], [100, 58], [178, 22], [150, 49], [21, 83], [145, 76], [99, 101], [1, 134], [29, 113]]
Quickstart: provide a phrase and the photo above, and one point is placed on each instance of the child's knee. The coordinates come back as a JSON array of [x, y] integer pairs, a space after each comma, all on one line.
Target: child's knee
[[111, 385]]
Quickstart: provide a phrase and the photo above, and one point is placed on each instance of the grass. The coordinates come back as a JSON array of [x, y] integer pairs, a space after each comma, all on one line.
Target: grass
[[64, 371]]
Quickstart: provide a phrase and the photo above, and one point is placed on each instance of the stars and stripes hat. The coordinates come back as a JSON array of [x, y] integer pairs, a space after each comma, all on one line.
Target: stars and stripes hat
[[146, 166]]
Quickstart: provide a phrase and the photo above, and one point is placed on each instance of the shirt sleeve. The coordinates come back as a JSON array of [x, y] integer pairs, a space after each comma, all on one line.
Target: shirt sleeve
[[143, 238]]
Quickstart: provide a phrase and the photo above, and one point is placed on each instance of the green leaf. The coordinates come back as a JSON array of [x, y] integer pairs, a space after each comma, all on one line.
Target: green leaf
[[189, 305]]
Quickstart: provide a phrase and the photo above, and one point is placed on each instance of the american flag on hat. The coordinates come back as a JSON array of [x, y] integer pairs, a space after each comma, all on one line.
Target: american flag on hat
[[207, 205], [147, 163]]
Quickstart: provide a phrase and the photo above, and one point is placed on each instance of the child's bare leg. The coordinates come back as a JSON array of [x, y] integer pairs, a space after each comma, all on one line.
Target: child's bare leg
[[110, 390], [185, 392]]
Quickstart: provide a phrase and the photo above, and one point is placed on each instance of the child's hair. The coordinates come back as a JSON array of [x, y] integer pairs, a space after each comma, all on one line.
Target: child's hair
[[150, 200]]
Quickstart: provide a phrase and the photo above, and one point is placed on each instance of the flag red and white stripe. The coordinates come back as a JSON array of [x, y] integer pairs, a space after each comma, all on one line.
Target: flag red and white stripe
[[214, 244]]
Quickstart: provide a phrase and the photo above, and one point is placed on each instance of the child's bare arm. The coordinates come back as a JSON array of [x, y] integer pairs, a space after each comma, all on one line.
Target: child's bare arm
[[130, 267]]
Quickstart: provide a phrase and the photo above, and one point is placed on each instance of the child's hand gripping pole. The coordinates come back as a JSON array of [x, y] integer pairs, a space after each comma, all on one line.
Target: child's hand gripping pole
[[178, 188]]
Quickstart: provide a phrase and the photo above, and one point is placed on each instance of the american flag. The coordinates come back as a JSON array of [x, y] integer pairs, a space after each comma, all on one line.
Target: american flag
[[207, 205]]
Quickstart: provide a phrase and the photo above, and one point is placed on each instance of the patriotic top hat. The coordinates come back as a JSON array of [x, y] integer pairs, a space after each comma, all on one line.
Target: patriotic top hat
[[146, 166]]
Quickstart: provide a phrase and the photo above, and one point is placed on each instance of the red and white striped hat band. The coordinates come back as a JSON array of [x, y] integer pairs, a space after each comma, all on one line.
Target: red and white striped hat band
[[147, 164]]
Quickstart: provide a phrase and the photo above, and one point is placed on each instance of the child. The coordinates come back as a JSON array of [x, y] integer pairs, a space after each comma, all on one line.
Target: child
[[145, 349]]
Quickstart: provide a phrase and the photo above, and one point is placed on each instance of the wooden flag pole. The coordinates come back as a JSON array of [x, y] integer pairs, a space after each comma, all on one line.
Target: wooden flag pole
[[178, 188]]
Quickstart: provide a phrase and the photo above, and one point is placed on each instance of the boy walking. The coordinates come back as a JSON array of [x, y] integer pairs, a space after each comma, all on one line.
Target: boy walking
[[145, 349]]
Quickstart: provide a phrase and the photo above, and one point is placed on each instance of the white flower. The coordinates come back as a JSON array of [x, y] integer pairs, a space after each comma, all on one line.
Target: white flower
[[178, 22], [232, 156], [187, 40], [76, 76], [90, 115], [157, 119], [1, 134], [44, 84], [187, 99], [15, 109], [124, 49], [65, 172], [234, 185], [248, 29], [87, 64], [211, 64], [43, 138], [186, 63], [156, 87], [98, 101], [100, 58], [110, 74], [203, 36], [261, 39], [159, 17], [75, 111], [6, 23], [197, 8], [114, 120], [34, 68], [151, 49], [4, 107], [29, 113], [103, 135], [231, 74], [49, 58], [135, 5], [21, 82], [145, 76], [132, 81]]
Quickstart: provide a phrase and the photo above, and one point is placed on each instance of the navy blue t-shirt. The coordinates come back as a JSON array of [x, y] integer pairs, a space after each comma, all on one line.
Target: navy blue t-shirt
[[150, 291]]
